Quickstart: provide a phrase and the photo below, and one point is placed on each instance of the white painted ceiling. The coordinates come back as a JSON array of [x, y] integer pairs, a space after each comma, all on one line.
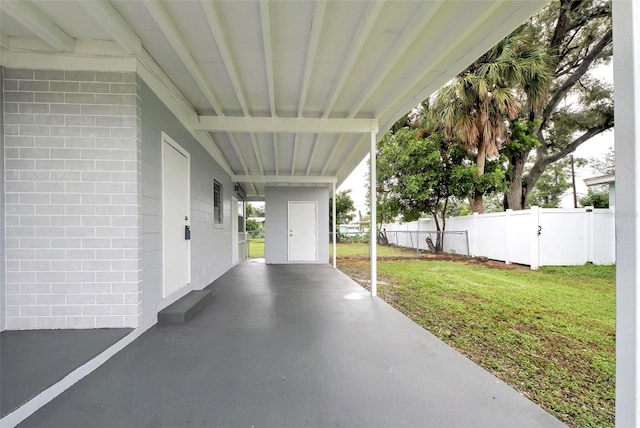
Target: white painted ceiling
[[336, 59]]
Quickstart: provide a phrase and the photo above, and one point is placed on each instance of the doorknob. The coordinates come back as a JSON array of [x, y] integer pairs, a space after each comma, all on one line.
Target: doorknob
[[187, 232]]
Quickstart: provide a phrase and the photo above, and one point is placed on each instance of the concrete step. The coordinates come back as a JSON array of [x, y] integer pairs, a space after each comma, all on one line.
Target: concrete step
[[185, 308]]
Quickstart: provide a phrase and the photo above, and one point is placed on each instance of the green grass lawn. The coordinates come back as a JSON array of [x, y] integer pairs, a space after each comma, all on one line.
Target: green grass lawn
[[255, 248], [549, 333]]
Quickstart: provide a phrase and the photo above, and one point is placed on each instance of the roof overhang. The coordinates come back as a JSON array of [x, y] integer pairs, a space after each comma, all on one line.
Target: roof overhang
[[283, 90]]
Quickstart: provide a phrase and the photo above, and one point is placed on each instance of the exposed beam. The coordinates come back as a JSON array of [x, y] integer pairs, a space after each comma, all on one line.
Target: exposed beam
[[236, 150], [295, 154], [313, 154], [38, 23], [284, 125], [411, 32], [105, 15], [256, 152], [268, 52], [284, 179], [367, 23], [215, 25], [333, 152], [171, 32], [312, 48], [276, 152]]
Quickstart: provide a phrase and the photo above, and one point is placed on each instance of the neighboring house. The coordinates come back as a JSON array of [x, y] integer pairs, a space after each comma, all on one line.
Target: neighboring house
[[604, 179]]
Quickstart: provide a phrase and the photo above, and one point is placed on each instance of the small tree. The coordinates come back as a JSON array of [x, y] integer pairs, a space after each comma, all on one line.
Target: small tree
[[345, 208], [421, 175]]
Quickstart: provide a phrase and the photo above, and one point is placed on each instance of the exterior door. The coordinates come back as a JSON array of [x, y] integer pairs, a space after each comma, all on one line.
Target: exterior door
[[303, 231], [175, 184]]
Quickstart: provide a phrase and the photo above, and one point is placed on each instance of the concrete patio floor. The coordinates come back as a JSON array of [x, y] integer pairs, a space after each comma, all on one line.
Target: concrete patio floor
[[290, 346]]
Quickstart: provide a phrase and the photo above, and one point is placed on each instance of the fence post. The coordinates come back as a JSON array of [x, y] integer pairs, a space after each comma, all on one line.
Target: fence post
[[535, 238], [589, 225], [507, 236]]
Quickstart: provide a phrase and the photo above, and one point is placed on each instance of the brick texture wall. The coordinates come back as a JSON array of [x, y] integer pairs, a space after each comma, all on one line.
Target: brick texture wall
[[72, 201]]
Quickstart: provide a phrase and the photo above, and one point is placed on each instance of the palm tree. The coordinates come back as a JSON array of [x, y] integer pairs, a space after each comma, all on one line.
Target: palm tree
[[477, 106]]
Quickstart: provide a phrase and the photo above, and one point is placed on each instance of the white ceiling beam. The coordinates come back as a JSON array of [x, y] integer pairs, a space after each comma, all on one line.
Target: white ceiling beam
[[333, 151], [295, 154], [276, 152], [268, 52], [39, 24], [284, 125], [236, 150], [256, 152], [215, 25], [367, 24], [283, 179], [411, 32], [312, 156], [105, 15], [171, 32], [312, 48]]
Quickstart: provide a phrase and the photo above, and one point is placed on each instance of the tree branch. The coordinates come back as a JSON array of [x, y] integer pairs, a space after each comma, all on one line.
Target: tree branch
[[580, 71]]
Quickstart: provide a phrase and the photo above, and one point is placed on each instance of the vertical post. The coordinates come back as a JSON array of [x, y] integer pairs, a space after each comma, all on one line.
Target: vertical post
[[335, 222], [590, 249], [626, 67], [535, 238], [373, 235]]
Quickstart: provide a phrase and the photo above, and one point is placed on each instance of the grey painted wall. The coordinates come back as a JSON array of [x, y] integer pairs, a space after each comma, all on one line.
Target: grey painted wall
[[276, 207], [2, 257], [210, 244], [72, 155]]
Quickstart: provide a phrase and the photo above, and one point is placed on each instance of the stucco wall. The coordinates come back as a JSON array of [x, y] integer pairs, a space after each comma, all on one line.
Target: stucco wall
[[276, 232], [210, 244], [72, 201]]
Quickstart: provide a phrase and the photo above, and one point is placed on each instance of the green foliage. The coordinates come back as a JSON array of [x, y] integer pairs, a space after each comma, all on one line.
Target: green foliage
[[249, 210], [597, 198], [251, 224], [344, 208], [421, 175], [604, 165], [521, 137]]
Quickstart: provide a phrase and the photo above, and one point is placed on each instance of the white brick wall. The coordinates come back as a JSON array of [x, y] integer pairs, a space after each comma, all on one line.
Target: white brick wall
[[72, 200]]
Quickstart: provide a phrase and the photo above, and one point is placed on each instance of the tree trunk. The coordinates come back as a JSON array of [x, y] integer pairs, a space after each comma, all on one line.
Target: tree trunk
[[515, 196], [481, 158]]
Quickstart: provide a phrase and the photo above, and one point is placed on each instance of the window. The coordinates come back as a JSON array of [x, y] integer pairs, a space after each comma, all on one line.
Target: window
[[217, 202]]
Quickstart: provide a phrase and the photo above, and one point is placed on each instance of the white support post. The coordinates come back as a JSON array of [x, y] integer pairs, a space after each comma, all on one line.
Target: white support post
[[373, 236], [626, 67], [335, 222]]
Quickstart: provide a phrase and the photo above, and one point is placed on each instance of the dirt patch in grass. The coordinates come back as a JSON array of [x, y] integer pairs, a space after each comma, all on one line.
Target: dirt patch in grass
[[476, 261]]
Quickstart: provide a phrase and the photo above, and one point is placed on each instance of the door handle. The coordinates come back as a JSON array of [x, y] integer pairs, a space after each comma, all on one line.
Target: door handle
[[187, 232]]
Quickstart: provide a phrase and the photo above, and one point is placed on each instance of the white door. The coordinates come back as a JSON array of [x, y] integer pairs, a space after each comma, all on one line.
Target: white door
[[303, 231], [175, 184], [234, 231]]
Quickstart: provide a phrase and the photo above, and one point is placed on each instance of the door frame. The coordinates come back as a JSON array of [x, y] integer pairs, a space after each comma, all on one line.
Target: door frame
[[315, 250], [170, 141]]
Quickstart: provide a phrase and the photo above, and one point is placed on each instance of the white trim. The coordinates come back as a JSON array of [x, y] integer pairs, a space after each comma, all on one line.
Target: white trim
[[604, 179], [283, 179], [168, 140], [312, 48], [284, 125], [38, 23], [334, 223], [268, 53]]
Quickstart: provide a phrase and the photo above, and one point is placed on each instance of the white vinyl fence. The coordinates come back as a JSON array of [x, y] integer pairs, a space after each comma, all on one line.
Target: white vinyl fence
[[534, 237]]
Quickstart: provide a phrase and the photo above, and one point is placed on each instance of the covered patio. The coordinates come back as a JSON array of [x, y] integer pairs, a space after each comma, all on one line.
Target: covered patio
[[290, 345]]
